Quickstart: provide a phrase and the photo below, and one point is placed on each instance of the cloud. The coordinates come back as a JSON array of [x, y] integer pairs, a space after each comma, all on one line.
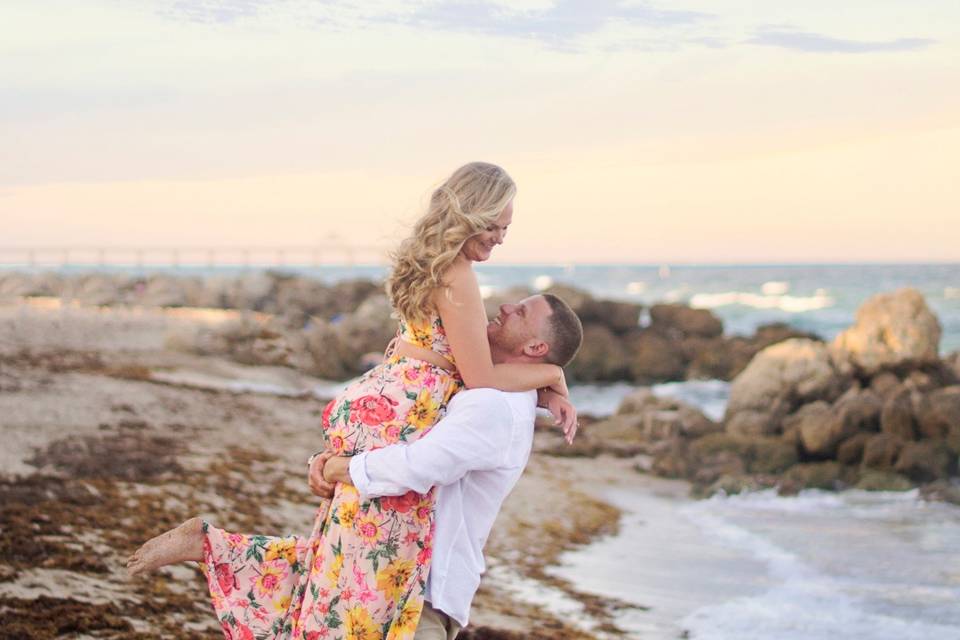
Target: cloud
[[214, 11], [816, 43], [557, 25]]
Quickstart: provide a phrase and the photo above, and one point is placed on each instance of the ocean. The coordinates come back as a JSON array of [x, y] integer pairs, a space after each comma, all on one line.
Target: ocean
[[821, 298]]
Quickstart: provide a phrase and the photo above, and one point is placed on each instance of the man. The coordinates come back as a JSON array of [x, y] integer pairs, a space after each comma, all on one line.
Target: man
[[474, 456]]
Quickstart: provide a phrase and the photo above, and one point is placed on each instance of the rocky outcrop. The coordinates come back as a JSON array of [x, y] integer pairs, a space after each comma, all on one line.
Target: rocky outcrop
[[892, 330], [804, 414], [779, 380], [644, 424]]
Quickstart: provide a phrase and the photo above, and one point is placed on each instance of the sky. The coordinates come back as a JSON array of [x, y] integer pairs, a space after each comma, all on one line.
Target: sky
[[691, 131]]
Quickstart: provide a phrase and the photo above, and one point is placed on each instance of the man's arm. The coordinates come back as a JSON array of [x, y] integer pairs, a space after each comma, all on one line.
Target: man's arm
[[476, 434]]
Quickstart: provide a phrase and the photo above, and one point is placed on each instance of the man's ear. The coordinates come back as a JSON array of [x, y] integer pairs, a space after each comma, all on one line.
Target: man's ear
[[536, 349]]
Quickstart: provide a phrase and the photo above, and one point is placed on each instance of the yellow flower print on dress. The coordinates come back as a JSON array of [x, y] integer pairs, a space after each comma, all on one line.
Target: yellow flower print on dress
[[282, 604], [346, 512], [406, 623], [393, 578], [360, 626], [269, 580], [286, 549], [425, 411], [333, 574]]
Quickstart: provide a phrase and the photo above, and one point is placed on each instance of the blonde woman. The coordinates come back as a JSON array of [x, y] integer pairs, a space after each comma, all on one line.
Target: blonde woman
[[361, 573]]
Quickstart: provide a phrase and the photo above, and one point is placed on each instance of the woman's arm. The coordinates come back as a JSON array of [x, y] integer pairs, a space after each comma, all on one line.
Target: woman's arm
[[465, 321]]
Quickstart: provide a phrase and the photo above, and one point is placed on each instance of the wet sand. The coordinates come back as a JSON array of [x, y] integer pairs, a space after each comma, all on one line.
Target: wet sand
[[110, 438]]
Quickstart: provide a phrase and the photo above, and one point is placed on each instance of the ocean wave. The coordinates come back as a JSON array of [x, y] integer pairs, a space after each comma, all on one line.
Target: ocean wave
[[806, 604], [790, 304]]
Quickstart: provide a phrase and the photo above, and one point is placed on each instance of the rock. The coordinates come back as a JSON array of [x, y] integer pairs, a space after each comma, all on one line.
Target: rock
[[302, 298], [828, 475], [619, 435], [326, 362], [694, 424], [941, 491], [880, 451], [731, 484], [892, 330], [920, 381], [369, 328], [939, 413], [722, 463], [164, 291], [653, 358], [952, 364], [349, 295], [710, 358], [97, 289], [250, 291], [885, 384], [925, 461], [896, 418], [601, 357], [873, 480], [759, 454], [774, 332], [807, 418], [638, 400], [670, 459], [678, 320], [781, 377], [850, 451], [820, 434], [619, 317]]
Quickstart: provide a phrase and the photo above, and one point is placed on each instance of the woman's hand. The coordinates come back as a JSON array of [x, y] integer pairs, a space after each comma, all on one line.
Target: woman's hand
[[563, 411]]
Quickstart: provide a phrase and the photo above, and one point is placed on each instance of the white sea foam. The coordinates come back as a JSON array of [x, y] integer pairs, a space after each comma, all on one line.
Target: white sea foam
[[636, 287], [775, 288], [542, 282], [599, 400], [951, 292], [791, 304], [550, 598], [854, 567]]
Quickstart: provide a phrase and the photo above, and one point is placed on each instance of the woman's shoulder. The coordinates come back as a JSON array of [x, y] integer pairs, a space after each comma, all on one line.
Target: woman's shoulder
[[460, 273]]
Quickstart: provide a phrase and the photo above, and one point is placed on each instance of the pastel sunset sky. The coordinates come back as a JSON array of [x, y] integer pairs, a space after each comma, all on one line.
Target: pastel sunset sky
[[645, 132]]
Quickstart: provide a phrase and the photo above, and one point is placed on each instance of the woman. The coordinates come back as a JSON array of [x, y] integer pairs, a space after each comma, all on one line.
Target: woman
[[363, 569]]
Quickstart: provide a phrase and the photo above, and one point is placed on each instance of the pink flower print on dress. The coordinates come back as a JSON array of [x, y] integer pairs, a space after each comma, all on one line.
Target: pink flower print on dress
[[226, 578], [373, 410]]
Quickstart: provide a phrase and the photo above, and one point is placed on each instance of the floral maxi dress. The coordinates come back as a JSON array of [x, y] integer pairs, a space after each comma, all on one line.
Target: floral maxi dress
[[361, 574]]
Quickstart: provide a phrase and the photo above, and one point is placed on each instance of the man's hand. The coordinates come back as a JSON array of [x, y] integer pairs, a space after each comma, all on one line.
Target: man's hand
[[337, 469], [318, 485]]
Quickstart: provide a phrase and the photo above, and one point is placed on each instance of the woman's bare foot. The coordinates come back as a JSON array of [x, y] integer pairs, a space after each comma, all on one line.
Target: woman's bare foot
[[182, 544]]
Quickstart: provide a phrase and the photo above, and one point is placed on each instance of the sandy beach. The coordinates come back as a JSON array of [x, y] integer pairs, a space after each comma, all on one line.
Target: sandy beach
[[111, 438]]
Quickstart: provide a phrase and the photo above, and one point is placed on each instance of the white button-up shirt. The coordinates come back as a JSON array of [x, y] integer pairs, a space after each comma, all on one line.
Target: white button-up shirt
[[474, 456]]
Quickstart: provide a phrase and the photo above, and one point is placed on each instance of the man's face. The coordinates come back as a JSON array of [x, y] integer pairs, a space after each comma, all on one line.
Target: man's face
[[519, 324]]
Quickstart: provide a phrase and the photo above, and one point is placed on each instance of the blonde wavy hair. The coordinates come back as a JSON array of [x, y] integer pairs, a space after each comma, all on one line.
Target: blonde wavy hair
[[467, 202]]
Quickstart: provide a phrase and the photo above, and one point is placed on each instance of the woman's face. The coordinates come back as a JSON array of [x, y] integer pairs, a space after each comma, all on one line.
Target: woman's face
[[479, 246]]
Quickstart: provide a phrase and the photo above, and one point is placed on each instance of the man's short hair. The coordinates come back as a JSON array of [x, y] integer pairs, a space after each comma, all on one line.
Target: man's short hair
[[566, 332]]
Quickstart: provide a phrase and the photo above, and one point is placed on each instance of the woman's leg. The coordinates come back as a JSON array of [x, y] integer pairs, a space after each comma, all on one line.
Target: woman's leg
[[183, 544]]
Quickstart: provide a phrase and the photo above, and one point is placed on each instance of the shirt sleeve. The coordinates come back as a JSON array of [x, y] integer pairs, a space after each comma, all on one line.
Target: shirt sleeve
[[476, 434]]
